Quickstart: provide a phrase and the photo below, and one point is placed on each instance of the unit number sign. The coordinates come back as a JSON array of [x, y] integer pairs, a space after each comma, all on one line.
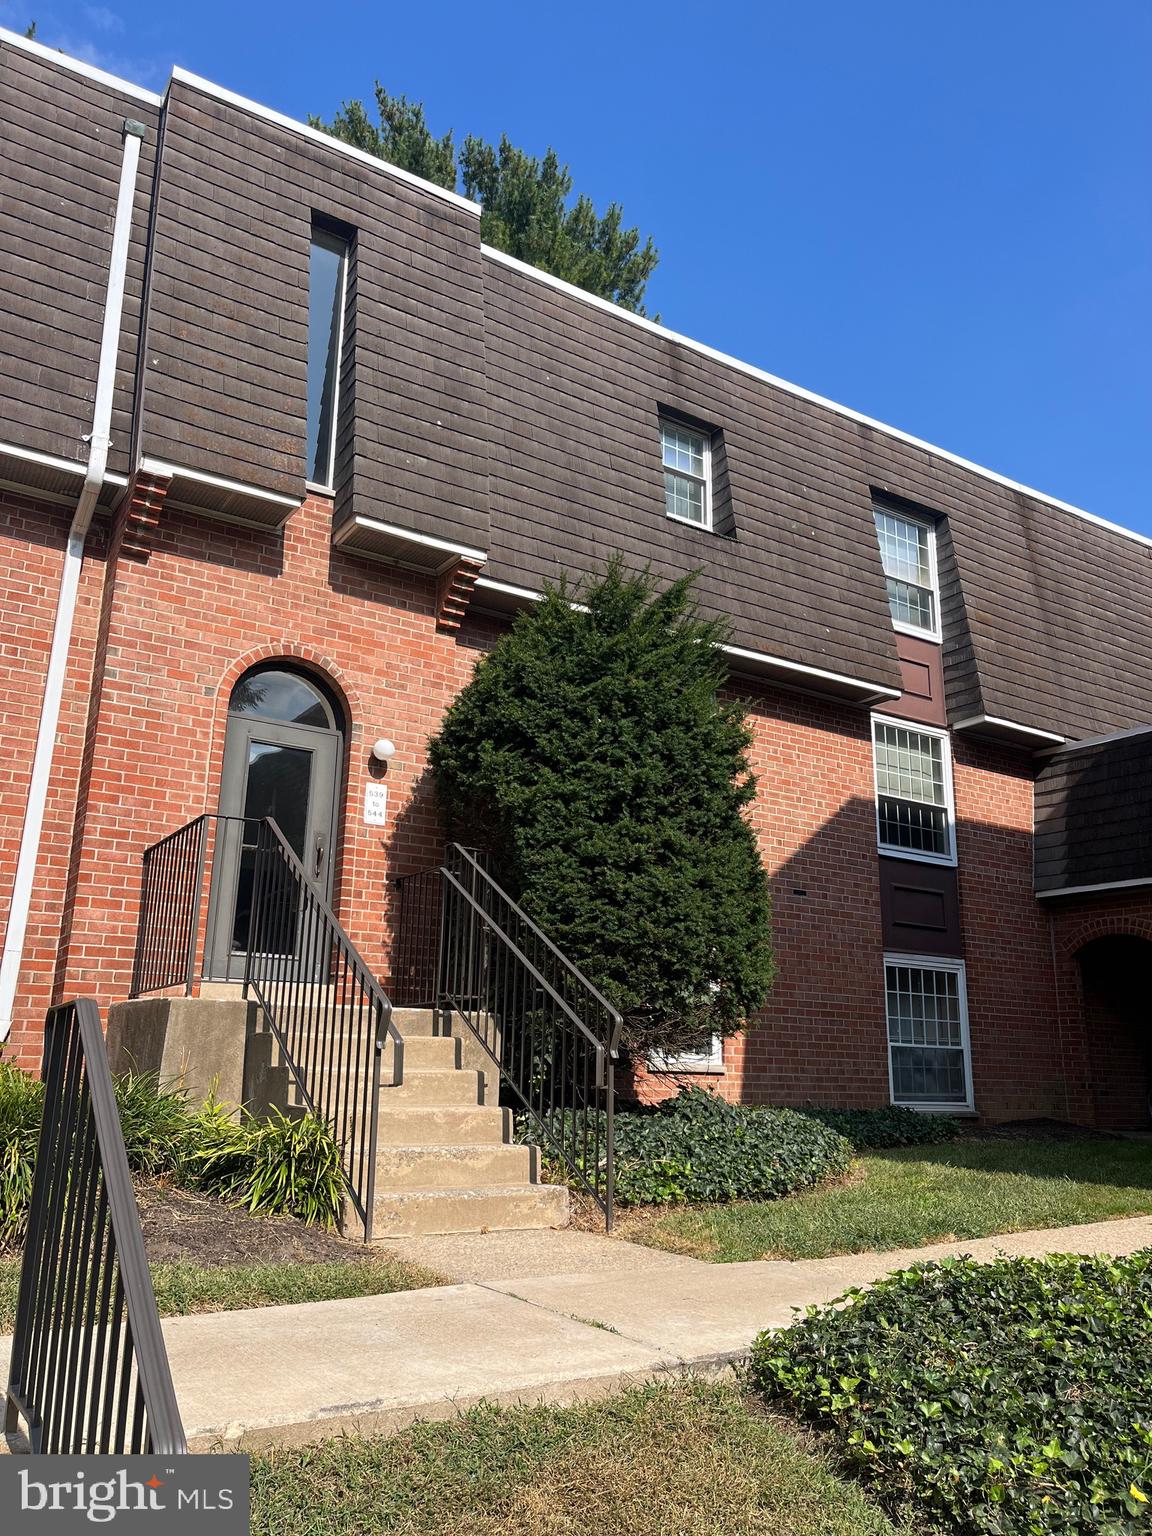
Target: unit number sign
[[375, 805]]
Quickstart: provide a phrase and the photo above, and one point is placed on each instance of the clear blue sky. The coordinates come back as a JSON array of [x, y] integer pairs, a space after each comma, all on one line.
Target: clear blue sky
[[937, 214]]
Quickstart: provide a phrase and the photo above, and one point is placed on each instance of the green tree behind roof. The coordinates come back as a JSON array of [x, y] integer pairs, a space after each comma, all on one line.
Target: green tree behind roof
[[593, 755], [526, 201]]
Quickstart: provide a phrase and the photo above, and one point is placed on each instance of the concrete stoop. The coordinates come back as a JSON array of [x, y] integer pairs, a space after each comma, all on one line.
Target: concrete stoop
[[446, 1162]]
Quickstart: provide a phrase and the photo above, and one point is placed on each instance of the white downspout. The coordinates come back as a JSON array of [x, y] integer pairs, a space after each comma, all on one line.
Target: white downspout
[[69, 584]]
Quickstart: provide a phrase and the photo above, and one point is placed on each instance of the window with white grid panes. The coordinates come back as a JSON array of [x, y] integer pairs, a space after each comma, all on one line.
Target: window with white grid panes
[[908, 555], [914, 809], [927, 1032], [687, 459]]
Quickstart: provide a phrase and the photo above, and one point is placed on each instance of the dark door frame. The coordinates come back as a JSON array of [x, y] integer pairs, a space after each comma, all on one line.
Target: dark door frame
[[317, 854]]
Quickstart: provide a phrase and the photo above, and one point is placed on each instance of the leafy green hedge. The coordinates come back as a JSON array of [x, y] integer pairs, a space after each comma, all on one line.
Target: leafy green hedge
[[274, 1165], [887, 1127], [1004, 1399], [697, 1148]]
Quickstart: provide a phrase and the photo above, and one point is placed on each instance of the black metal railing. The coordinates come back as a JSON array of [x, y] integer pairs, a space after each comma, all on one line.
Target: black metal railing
[[553, 1036], [89, 1373], [330, 1015], [237, 876], [172, 892], [416, 944]]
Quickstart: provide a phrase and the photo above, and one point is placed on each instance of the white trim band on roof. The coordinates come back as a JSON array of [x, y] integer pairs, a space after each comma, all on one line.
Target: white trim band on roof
[[1100, 741], [876, 690], [219, 482], [1089, 890], [51, 461], [393, 530], [1009, 725], [318, 136], [79, 67], [804, 394]]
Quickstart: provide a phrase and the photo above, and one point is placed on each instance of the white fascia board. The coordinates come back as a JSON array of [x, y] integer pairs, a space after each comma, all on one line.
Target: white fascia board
[[240, 487], [974, 721], [318, 136], [79, 67], [1091, 890], [1100, 741], [879, 691], [805, 394], [379, 526]]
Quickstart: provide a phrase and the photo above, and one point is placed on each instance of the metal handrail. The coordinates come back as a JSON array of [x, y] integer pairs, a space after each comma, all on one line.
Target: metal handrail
[[534, 1013], [573, 970], [326, 1009], [89, 1372]]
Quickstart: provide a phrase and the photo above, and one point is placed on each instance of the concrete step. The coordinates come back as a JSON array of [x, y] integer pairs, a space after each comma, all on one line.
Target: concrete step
[[433, 1088], [423, 1212], [447, 1167], [416, 1021], [454, 1125]]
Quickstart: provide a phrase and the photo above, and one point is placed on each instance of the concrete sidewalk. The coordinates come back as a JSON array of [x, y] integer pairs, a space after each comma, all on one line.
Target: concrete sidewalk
[[539, 1316]]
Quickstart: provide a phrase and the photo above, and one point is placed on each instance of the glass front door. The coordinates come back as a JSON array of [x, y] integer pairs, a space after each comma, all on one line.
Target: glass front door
[[287, 772]]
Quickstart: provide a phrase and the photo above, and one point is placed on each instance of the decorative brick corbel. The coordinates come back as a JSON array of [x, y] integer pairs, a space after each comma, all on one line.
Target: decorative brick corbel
[[140, 515], [454, 592]]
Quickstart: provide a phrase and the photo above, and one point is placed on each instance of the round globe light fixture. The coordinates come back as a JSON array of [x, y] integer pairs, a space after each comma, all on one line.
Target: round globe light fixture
[[383, 749]]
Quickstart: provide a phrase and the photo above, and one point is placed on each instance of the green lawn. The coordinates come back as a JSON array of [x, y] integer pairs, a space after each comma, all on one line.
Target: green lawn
[[677, 1459], [183, 1288], [916, 1195]]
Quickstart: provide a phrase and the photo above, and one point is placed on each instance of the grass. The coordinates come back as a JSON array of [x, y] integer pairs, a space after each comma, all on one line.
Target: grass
[[184, 1288], [912, 1196], [680, 1458]]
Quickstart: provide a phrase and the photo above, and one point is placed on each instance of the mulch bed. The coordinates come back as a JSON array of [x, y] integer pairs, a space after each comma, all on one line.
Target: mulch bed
[[183, 1227], [1035, 1130]]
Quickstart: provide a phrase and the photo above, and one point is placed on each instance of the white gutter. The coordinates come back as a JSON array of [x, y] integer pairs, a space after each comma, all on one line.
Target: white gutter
[[94, 477]]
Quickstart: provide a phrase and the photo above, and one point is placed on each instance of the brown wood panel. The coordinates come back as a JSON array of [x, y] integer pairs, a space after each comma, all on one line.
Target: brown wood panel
[[63, 149], [920, 908]]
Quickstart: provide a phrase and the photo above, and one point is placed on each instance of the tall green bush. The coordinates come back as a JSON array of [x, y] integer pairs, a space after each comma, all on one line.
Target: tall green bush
[[595, 756]]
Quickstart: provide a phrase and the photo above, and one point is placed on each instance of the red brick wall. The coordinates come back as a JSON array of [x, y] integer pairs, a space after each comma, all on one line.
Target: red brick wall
[[179, 626], [190, 604], [1016, 1057], [32, 542], [821, 1039], [1097, 1052]]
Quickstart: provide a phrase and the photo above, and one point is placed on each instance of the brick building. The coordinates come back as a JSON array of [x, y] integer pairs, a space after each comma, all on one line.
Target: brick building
[[282, 449]]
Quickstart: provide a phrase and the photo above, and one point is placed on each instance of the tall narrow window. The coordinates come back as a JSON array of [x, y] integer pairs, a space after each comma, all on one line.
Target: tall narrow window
[[687, 457], [326, 283], [928, 1049], [908, 554], [914, 807]]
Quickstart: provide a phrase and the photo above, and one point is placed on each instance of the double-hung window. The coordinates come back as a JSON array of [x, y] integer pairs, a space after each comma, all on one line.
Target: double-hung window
[[327, 281], [915, 812], [928, 1050], [908, 555], [687, 459]]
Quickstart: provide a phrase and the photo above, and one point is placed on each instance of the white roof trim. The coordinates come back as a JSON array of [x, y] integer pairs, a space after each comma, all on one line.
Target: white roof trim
[[804, 394], [241, 487], [879, 691], [1088, 890], [49, 460], [1009, 725], [79, 67], [378, 525], [318, 136], [1099, 741]]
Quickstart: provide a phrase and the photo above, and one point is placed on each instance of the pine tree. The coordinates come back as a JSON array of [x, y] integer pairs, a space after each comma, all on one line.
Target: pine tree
[[592, 756], [525, 201]]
